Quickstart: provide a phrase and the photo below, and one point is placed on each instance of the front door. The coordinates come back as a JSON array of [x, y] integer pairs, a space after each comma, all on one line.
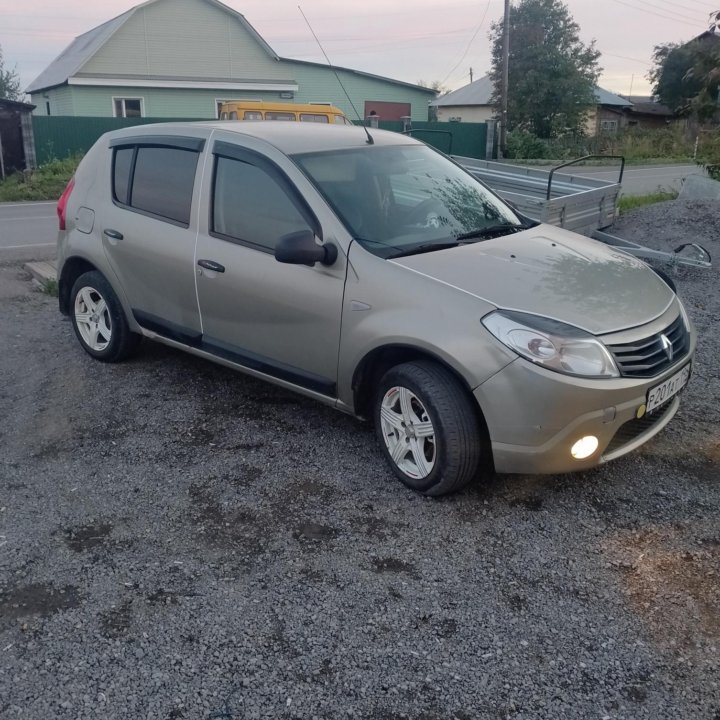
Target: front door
[[281, 320]]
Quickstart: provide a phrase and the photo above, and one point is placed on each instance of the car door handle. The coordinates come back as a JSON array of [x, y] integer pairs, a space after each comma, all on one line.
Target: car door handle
[[211, 265], [114, 234]]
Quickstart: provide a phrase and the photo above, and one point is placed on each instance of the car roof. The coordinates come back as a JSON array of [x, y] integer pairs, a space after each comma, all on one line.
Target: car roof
[[289, 137]]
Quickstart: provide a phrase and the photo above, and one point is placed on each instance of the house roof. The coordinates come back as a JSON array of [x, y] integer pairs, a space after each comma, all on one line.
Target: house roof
[[15, 105], [80, 50], [603, 97], [480, 91], [360, 73], [477, 92], [650, 108]]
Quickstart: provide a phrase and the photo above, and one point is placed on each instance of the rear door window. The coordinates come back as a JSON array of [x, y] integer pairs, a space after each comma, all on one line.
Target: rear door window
[[157, 180]]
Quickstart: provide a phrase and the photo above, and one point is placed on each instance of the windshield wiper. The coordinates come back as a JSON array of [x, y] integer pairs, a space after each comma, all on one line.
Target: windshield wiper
[[491, 230], [427, 247]]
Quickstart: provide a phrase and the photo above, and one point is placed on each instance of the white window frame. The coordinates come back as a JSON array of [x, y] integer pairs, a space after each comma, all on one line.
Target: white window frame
[[609, 125], [125, 97]]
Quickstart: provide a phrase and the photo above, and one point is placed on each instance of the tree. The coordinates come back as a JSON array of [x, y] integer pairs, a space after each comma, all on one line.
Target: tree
[[9, 81], [672, 62], [686, 76], [552, 74], [435, 85]]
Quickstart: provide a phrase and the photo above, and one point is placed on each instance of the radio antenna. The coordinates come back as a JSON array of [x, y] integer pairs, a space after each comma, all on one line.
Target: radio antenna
[[369, 140]]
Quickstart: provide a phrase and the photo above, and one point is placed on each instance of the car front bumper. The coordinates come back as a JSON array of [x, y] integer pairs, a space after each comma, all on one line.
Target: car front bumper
[[534, 416]]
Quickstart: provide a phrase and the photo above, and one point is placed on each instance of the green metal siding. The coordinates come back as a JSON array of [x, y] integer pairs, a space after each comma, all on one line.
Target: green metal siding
[[319, 84], [184, 39], [157, 102], [62, 101]]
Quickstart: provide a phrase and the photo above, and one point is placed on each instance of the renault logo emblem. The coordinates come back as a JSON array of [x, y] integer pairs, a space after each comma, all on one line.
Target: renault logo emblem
[[666, 346]]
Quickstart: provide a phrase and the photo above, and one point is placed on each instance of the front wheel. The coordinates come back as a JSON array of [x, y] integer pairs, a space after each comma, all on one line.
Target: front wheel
[[428, 428], [99, 320]]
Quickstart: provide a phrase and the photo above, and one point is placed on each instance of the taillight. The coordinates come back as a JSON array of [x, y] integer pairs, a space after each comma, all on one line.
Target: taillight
[[63, 201]]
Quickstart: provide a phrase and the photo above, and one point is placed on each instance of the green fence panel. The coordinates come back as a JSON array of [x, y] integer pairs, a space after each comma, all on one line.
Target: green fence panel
[[61, 136], [466, 139]]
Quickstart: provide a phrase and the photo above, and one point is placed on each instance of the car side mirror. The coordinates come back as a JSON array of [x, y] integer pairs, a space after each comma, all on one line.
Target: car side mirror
[[300, 248]]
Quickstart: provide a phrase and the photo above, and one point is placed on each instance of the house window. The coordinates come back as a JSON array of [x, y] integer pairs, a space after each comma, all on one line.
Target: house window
[[128, 107], [608, 125]]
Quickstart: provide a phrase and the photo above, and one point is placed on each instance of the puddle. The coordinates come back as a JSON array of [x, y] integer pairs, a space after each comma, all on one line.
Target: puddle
[[37, 599]]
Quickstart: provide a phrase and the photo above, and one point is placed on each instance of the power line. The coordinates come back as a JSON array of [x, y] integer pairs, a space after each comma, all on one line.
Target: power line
[[649, 12], [474, 35], [624, 57], [674, 15], [696, 11]]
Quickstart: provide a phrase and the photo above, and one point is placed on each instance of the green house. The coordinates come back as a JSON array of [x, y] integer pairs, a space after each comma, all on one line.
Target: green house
[[183, 58]]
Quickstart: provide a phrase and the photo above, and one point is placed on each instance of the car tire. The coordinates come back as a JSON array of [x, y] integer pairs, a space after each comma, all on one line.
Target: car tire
[[428, 428], [99, 321]]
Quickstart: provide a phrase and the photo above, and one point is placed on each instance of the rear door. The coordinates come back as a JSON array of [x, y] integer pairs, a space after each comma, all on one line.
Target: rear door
[[281, 320], [150, 229]]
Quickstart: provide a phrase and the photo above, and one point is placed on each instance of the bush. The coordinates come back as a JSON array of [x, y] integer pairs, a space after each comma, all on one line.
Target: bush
[[45, 183], [525, 145], [708, 153], [637, 145]]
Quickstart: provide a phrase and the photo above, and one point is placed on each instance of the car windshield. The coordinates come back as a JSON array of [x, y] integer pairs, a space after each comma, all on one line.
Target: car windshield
[[399, 200]]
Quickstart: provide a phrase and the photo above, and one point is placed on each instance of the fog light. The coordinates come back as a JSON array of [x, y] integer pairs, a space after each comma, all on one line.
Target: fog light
[[584, 447]]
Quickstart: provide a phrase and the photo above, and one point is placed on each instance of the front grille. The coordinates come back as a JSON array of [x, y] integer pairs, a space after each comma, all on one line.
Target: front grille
[[632, 429], [648, 357]]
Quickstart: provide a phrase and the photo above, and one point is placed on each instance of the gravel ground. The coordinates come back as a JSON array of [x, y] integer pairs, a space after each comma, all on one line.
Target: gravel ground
[[180, 541]]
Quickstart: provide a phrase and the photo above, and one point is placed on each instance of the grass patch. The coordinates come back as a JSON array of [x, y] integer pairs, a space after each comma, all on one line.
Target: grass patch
[[631, 202], [50, 286], [45, 183]]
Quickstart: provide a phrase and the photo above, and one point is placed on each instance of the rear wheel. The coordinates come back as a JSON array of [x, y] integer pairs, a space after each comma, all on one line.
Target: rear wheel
[[99, 320], [428, 428]]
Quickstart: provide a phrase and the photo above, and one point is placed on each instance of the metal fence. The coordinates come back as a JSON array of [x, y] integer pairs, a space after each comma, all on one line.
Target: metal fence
[[63, 136]]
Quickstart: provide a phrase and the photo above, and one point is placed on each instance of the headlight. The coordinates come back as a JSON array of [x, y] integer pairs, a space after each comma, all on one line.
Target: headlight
[[685, 317], [552, 344]]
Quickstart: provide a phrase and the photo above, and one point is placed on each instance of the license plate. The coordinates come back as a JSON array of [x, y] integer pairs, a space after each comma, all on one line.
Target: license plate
[[664, 391]]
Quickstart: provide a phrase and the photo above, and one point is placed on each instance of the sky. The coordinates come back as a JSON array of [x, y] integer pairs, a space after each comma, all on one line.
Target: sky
[[409, 40]]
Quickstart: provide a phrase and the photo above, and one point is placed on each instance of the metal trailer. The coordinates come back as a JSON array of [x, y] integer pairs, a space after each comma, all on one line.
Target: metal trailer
[[582, 204]]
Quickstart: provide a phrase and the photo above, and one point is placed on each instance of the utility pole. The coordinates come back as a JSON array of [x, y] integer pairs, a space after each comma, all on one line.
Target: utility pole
[[470, 74], [504, 79]]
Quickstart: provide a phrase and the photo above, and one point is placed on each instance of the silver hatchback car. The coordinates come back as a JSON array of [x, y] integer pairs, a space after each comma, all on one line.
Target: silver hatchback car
[[375, 275]]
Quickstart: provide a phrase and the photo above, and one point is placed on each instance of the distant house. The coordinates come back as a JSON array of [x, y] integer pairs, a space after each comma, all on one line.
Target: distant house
[[646, 112], [183, 58], [608, 115], [471, 103]]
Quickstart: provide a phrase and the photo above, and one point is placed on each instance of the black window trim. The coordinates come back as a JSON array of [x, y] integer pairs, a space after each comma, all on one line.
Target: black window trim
[[222, 149], [176, 142], [181, 142]]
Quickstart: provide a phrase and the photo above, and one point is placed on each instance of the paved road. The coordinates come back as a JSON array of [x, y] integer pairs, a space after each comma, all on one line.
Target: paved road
[[641, 179], [28, 230]]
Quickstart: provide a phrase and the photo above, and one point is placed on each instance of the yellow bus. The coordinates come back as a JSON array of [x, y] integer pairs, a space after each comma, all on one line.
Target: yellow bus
[[294, 112]]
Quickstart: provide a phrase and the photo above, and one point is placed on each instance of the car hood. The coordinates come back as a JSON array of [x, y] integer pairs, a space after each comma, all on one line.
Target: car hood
[[555, 273]]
